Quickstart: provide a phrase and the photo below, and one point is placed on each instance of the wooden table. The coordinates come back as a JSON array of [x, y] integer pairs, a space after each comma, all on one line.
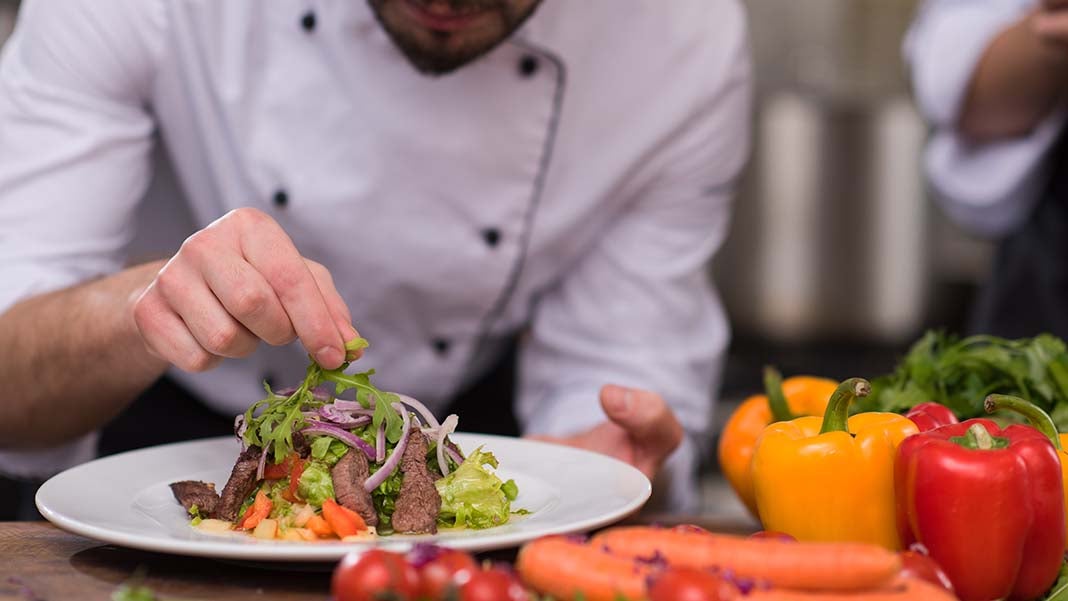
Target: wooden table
[[39, 562]]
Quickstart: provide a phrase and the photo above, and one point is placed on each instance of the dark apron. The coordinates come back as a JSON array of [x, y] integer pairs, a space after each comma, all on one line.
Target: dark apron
[[1027, 293]]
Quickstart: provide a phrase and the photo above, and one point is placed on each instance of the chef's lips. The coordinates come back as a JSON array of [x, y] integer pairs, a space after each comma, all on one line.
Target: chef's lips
[[440, 36]]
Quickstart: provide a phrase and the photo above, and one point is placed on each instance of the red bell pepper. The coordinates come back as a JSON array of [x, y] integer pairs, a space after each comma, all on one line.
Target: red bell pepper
[[930, 415], [987, 504]]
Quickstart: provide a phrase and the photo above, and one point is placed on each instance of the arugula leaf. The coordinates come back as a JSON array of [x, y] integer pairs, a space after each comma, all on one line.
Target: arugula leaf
[[271, 422], [961, 372]]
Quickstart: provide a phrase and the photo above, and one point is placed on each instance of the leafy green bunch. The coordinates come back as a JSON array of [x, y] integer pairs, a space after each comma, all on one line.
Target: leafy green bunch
[[961, 372]]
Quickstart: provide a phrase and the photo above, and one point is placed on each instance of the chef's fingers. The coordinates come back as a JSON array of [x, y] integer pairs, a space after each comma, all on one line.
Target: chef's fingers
[[271, 252], [166, 336], [651, 425], [338, 309], [217, 332], [247, 296], [1051, 26], [1054, 4]]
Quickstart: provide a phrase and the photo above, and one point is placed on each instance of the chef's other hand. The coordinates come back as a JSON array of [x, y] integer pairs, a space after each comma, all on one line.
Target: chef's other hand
[[1050, 21], [236, 282], [641, 429]]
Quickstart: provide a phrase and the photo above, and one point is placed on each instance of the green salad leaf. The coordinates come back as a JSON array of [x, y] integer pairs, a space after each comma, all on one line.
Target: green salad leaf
[[961, 372], [316, 485], [271, 422], [329, 450], [473, 496]]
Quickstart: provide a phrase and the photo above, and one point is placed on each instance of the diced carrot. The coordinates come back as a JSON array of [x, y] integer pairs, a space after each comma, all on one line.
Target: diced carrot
[[343, 521], [259, 510], [319, 526]]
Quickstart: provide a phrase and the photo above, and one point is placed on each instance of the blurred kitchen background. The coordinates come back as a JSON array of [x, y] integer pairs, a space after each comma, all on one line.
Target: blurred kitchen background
[[837, 258]]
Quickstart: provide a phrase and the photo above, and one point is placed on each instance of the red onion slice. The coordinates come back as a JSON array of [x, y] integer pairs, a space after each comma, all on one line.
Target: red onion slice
[[447, 427], [421, 409], [453, 452], [380, 443], [348, 438], [334, 415], [391, 464], [353, 406], [263, 462]]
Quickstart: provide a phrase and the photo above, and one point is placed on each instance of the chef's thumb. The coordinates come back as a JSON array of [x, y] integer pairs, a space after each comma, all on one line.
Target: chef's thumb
[[645, 416]]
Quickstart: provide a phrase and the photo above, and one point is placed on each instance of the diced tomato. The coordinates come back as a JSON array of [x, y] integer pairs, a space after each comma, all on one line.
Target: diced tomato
[[343, 521], [290, 494], [277, 471], [259, 510]]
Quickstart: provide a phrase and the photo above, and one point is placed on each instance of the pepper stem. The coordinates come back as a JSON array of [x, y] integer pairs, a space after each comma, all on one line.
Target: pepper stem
[[780, 410], [836, 419], [983, 440], [1035, 415]]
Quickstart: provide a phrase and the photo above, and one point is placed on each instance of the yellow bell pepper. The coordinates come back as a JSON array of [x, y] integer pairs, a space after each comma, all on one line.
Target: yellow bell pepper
[[831, 479], [1043, 422], [784, 400]]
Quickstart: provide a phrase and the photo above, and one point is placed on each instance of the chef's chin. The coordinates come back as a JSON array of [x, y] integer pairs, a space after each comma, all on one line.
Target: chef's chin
[[440, 36]]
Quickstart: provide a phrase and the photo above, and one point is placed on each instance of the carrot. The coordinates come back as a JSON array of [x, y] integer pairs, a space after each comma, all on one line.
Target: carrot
[[902, 590], [562, 568], [784, 564], [259, 510], [319, 526], [343, 521]]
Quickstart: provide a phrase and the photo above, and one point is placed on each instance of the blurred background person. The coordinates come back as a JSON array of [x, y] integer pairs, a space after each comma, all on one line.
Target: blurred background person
[[990, 78]]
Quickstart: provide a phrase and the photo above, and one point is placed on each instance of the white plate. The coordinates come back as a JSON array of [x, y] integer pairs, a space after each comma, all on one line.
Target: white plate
[[125, 500]]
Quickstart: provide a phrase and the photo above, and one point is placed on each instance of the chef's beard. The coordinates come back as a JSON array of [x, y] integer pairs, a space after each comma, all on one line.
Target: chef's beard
[[439, 52]]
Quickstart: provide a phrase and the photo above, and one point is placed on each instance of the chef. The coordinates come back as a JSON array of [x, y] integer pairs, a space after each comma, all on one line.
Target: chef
[[449, 179]]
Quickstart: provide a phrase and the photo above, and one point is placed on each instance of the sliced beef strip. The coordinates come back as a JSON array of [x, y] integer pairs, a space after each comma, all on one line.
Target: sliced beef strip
[[301, 445], [201, 494], [418, 503], [349, 475], [239, 486]]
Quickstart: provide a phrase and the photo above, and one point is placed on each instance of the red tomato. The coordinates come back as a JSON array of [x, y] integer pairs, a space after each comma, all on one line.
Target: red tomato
[[688, 584], [374, 575], [440, 573], [491, 585], [773, 534], [920, 566]]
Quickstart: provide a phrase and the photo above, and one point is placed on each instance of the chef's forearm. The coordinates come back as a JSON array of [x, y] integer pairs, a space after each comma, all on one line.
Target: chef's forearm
[[73, 359], [1017, 83]]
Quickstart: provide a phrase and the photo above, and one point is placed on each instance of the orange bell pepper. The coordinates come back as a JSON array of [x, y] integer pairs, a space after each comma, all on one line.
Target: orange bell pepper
[[783, 401]]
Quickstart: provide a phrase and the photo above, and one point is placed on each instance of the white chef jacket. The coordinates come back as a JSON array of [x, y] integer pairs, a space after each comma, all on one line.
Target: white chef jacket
[[991, 187], [572, 185]]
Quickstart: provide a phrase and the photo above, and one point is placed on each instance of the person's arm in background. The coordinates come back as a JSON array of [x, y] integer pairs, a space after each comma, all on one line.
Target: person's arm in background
[[1021, 76], [638, 312], [985, 184], [82, 336]]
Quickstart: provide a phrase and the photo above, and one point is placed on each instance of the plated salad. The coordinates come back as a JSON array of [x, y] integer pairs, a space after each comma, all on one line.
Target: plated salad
[[314, 466]]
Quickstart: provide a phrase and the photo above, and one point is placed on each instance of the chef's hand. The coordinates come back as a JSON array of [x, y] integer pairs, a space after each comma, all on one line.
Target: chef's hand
[[236, 282], [641, 429], [1050, 21]]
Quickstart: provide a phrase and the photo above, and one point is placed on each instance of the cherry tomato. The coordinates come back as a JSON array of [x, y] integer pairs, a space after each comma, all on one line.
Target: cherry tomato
[[442, 572], [491, 585], [373, 575], [688, 584], [774, 535], [920, 566]]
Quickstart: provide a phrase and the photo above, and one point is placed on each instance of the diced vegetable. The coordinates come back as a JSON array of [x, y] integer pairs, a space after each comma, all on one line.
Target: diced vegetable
[[259, 510], [215, 526], [343, 521], [266, 529], [302, 515], [319, 526]]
